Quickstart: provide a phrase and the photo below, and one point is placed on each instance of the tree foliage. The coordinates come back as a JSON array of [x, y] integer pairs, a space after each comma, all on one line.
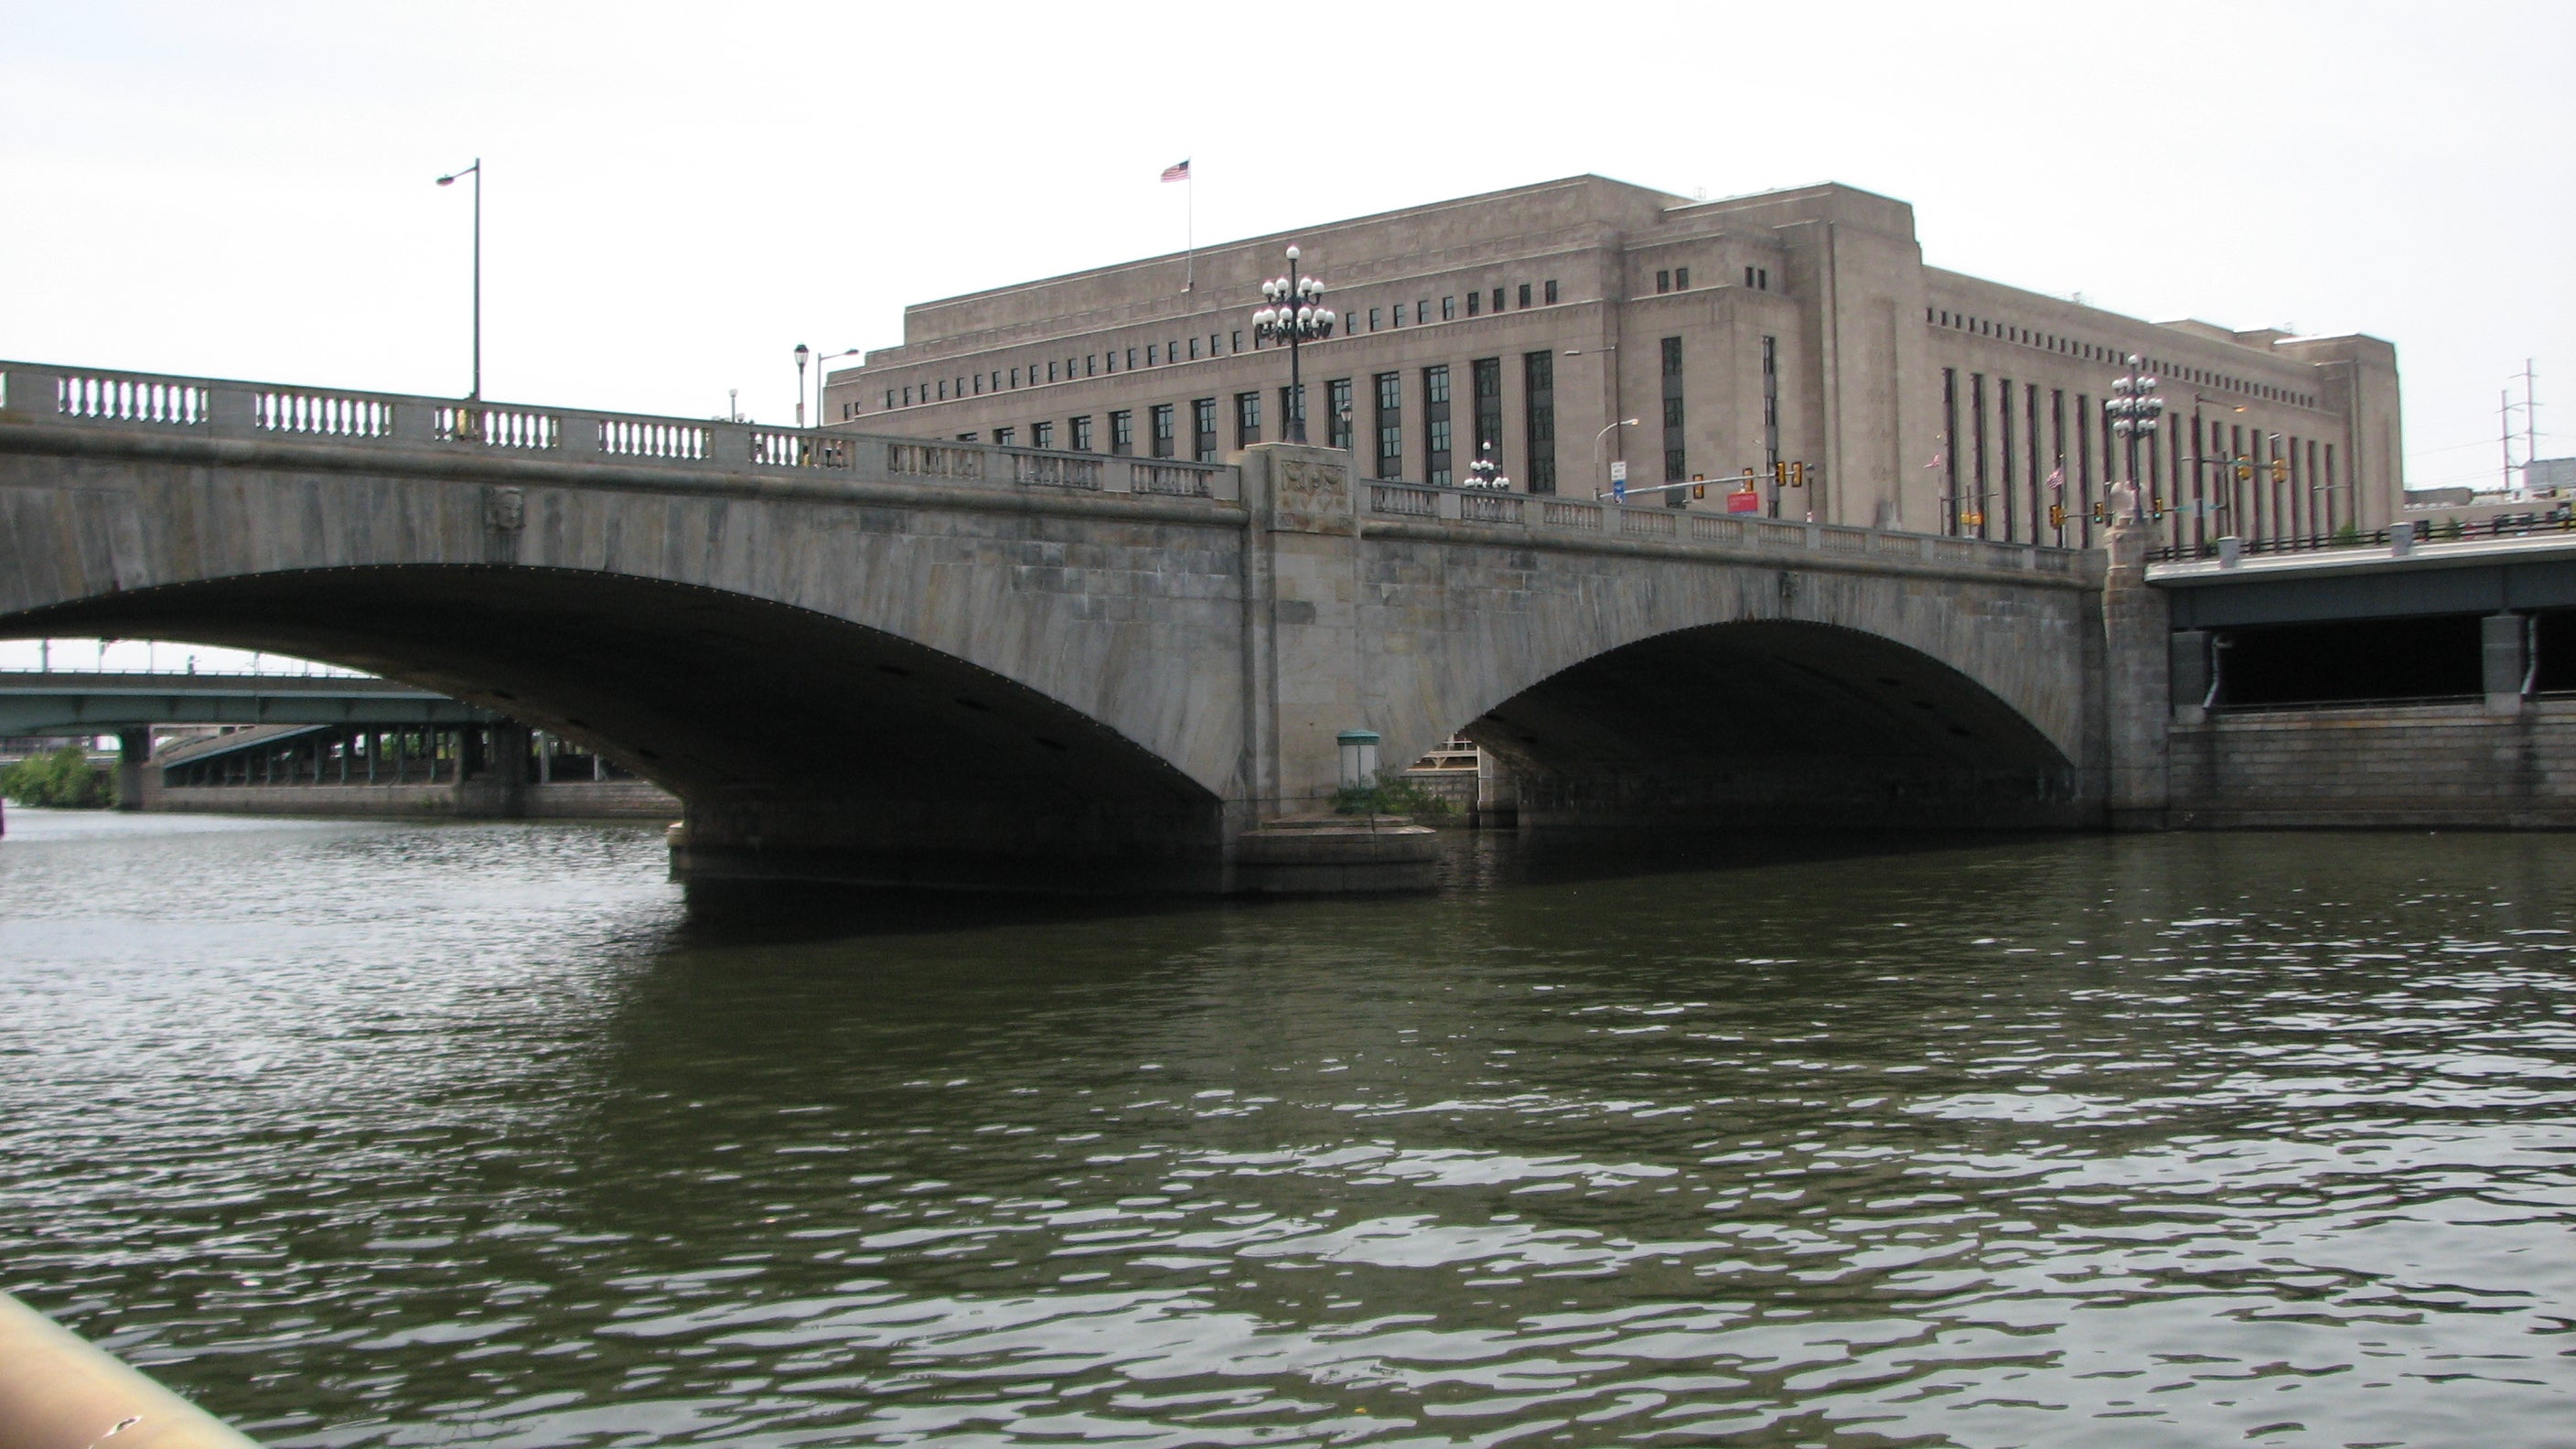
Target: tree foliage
[[62, 779]]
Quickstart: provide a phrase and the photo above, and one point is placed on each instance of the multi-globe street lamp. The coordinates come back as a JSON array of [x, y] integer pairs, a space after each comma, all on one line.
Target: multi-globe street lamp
[[1293, 311], [2133, 410]]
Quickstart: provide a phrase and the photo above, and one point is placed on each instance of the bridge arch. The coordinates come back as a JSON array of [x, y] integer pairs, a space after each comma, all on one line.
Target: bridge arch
[[779, 726]]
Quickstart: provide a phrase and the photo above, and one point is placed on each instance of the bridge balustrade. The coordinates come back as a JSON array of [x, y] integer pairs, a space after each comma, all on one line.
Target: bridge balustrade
[[360, 419]]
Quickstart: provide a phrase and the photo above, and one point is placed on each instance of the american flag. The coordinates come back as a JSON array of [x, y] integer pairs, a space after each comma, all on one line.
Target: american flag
[[2057, 478], [1180, 172]]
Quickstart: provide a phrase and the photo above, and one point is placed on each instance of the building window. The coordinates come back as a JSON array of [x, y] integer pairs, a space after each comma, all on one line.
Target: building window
[[1090, 364], [1390, 424], [1194, 349], [1525, 294], [1551, 293], [1663, 281], [1475, 303], [1161, 422], [890, 398], [1041, 435], [1422, 310], [1110, 365], [1435, 426], [1538, 419], [1006, 437], [1675, 459], [1153, 357], [1082, 433], [1131, 359], [965, 437], [1399, 314], [1498, 299], [1949, 457], [1050, 372], [1486, 377], [1681, 280], [1979, 474], [1122, 433], [1337, 413], [1247, 419], [1771, 414], [1203, 429], [943, 390], [907, 397], [1373, 319], [979, 384], [1238, 343], [1015, 379], [1448, 309]]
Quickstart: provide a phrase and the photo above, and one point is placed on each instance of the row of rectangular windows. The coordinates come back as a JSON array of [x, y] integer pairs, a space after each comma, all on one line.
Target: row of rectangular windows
[[1162, 354], [2094, 352], [1677, 279], [1387, 391], [2180, 491]]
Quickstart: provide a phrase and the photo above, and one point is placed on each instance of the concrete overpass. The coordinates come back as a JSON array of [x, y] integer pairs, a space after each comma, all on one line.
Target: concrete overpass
[[36, 702], [1066, 668]]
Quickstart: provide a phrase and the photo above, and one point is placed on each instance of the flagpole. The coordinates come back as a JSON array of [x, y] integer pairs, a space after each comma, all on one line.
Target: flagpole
[[1190, 230]]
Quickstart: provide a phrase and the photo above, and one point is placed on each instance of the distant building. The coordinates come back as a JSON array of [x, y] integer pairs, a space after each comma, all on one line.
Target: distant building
[[1796, 326], [2549, 477]]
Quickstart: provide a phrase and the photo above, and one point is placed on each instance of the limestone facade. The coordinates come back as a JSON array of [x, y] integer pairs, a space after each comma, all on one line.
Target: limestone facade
[[1795, 326]]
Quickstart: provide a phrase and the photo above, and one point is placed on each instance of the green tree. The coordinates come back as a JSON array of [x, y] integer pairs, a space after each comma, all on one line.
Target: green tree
[[62, 779]]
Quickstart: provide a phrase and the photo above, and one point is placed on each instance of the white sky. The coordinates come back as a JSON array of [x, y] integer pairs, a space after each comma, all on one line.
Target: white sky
[[678, 194]]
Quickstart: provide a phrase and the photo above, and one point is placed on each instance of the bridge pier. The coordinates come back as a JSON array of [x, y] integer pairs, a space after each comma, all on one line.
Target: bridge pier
[[133, 773]]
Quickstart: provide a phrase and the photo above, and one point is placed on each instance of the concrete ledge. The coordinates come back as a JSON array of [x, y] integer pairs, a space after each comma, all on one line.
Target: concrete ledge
[[1335, 856]]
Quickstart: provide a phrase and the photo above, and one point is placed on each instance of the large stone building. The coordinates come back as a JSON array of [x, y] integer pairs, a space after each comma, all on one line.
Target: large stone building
[[1796, 326]]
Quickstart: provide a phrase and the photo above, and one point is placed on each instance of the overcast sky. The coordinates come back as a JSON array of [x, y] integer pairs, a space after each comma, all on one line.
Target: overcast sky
[[678, 194]]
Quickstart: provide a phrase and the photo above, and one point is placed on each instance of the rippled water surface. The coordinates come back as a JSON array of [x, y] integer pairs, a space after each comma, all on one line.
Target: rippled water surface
[[402, 1134]]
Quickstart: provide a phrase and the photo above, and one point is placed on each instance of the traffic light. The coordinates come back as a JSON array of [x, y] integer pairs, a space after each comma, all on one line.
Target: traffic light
[[1699, 485], [1797, 475], [2097, 510], [2244, 470], [2280, 470], [2057, 515], [1779, 475]]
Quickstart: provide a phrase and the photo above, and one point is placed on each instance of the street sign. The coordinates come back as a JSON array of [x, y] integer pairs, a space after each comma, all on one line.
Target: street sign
[[1743, 502], [1619, 480]]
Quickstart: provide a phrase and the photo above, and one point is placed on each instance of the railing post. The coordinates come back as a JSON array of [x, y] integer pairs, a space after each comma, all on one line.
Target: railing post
[[30, 393], [577, 435], [1445, 504], [413, 420], [729, 445], [233, 410]]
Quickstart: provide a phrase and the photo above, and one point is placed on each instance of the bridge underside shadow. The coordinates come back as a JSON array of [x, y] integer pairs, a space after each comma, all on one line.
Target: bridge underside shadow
[[1777, 727], [803, 745]]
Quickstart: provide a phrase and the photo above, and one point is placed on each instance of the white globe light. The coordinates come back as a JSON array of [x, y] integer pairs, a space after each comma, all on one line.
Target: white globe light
[[1292, 254]]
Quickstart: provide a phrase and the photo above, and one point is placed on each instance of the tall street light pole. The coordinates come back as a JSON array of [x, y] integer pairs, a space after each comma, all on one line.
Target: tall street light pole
[[803, 354], [1596, 445], [1293, 311], [475, 171], [2133, 409]]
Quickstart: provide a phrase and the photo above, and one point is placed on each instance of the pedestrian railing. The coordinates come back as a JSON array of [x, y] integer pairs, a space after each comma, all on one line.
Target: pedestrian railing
[[342, 418]]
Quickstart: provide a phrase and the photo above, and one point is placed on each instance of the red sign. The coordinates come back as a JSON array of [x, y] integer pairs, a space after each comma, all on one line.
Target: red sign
[[1744, 503]]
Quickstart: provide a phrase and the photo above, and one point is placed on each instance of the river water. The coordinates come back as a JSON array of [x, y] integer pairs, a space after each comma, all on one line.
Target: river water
[[405, 1134]]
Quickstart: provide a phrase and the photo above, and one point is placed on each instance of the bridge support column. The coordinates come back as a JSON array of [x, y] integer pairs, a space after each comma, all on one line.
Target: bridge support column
[[133, 761], [2505, 660], [1301, 627], [2193, 672], [2137, 684]]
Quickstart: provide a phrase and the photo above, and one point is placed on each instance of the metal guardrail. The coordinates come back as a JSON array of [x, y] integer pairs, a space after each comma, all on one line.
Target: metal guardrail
[[2561, 519]]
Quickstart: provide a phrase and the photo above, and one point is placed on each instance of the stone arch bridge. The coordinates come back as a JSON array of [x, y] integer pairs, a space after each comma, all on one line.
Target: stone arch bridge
[[875, 657]]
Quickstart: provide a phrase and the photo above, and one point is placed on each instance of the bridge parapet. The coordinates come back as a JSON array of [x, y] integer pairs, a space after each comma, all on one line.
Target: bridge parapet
[[213, 407], [1585, 518]]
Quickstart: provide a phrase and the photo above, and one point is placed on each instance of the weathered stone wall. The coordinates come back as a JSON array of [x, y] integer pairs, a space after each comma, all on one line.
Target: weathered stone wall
[[2423, 766]]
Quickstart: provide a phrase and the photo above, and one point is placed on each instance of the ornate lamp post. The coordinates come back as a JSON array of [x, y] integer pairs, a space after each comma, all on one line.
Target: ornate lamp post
[[1293, 311], [2133, 410]]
